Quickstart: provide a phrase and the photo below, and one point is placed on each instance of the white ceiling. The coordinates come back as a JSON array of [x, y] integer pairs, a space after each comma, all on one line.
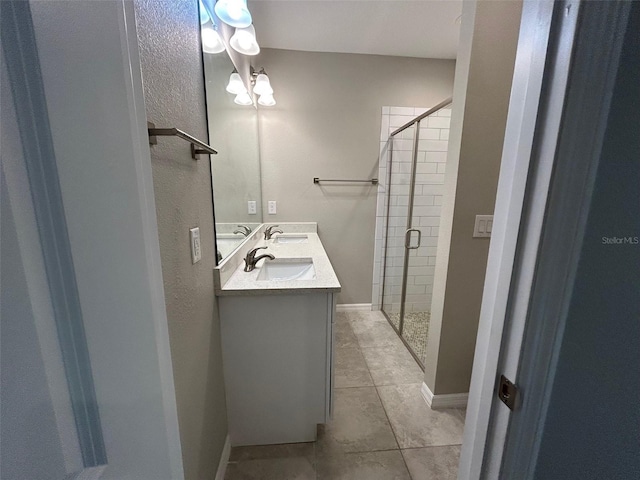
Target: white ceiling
[[417, 28]]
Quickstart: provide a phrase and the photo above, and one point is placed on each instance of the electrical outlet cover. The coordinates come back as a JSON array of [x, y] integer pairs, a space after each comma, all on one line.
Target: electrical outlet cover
[[196, 251]]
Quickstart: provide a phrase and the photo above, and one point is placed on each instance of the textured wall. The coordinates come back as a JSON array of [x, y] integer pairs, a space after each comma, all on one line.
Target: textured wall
[[168, 32], [479, 114], [327, 124]]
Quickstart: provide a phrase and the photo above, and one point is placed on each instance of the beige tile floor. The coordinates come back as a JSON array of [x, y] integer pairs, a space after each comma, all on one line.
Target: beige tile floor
[[381, 428]]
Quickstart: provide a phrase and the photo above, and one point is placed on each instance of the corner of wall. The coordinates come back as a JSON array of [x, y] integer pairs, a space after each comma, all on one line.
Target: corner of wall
[[174, 92], [461, 81], [481, 97]]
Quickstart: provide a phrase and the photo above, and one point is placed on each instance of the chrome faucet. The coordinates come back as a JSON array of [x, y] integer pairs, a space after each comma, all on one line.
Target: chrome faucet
[[245, 230], [250, 260], [268, 232]]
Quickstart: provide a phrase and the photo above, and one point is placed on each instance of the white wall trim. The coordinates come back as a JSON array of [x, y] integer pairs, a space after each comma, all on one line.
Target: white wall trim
[[149, 225], [353, 307], [449, 400], [224, 459], [427, 394], [481, 451]]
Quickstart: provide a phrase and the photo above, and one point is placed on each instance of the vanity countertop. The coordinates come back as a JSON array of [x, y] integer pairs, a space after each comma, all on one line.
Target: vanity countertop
[[247, 283]]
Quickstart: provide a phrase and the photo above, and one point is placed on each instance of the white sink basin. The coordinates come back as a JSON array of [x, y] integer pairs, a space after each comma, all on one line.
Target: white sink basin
[[284, 269], [291, 239]]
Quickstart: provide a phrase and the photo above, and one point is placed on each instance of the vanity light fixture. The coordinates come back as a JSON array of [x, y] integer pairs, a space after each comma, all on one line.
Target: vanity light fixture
[[244, 41], [211, 39], [235, 84], [267, 100], [233, 12], [262, 84], [243, 99]]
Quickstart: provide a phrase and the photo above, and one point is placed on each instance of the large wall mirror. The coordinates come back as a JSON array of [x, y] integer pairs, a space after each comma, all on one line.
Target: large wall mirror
[[233, 132]]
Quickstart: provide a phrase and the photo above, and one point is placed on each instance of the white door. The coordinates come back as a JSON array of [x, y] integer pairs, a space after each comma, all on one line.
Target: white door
[[86, 380], [560, 311]]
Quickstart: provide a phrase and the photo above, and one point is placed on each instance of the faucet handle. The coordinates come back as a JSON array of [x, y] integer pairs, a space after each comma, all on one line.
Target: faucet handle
[[245, 230], [250, 260], [269, 231], [252, 253]]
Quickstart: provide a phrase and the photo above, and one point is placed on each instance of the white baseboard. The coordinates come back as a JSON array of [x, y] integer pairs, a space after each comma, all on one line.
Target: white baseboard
[[353, 307], [449, 400], [224, 459]]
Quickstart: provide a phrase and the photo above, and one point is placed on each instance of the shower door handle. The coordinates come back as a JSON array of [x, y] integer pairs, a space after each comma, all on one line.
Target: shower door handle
[[407, 238]]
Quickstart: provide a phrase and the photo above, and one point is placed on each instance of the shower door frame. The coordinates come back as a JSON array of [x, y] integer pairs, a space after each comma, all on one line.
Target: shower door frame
[[407, 236]]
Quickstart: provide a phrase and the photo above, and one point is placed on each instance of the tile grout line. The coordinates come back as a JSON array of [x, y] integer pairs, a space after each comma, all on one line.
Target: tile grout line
[[395, 436], [433, 446]]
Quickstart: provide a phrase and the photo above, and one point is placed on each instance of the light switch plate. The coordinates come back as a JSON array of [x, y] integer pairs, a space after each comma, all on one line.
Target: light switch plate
[[196, 252], [483, 226], [252, 208], [272, 207]]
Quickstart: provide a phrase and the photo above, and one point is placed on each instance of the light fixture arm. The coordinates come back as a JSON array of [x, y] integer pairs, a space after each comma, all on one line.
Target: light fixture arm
[[255, 73]]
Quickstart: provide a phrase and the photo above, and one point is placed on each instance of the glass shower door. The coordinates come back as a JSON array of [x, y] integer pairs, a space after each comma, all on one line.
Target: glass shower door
[[399, 180], [425, 211], [416, 180]]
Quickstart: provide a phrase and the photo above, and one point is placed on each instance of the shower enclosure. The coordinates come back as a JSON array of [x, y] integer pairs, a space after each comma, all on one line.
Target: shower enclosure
[[417, 154]]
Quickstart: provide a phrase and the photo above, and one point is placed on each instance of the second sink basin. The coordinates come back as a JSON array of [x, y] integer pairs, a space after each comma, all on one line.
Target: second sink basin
[[291, 239], [283, 269]]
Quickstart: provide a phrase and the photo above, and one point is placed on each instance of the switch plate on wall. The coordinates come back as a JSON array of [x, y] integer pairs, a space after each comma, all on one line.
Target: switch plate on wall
[[483, 226], [272, 207], [196, 252], [251, 207]]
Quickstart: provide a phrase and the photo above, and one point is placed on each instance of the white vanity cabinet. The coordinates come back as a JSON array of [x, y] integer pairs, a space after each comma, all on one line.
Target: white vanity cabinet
[[277, 338], [278, 365]]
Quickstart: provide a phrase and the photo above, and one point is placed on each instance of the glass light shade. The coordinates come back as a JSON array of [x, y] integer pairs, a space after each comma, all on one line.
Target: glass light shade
[[243, 99], [233, 12], [267, 100], [211, 40], [244, 41], [235, 84], [204, 14], [263, 85]]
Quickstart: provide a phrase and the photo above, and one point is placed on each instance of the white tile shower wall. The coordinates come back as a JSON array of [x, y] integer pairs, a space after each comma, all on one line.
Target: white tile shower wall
[[431, 164]]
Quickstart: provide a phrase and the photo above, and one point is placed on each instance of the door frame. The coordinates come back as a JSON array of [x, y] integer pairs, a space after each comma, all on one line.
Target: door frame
[[523, 184], [548, 54], [150, 329], [587, 43]]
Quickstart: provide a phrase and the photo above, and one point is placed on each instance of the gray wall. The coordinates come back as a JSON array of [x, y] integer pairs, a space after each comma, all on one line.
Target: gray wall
[[168, 32], [481, 99], [327, 124]]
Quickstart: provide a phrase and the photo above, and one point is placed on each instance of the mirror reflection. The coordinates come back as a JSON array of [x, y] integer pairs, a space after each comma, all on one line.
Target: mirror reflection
[[233, 129]]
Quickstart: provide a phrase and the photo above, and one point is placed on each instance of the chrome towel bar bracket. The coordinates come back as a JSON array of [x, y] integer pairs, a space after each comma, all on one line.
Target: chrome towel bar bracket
[[204, 148]]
